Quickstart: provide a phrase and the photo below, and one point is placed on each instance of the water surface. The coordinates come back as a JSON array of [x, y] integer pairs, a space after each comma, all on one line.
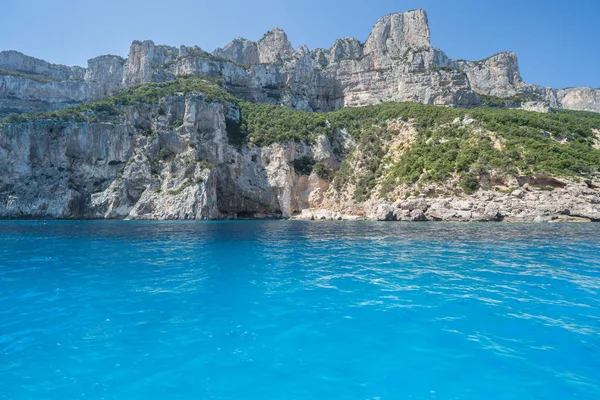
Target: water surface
[[299, 310]]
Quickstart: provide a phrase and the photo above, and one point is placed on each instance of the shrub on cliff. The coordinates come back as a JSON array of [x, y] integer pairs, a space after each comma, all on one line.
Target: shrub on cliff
[[149, 93], [304, 165], [323, 170], [469, 183], [449, 143]]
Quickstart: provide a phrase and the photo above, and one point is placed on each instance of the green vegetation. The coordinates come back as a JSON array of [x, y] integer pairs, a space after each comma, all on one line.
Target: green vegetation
[[499, 102], [204, 165], [323, 170], [264, 124], [529, 140], [176, 124], [166, 154], [450, 143], [304, 165], [364, 166], [149, 93], [511, 141], [186, 184], [28, 75], [469, 183]]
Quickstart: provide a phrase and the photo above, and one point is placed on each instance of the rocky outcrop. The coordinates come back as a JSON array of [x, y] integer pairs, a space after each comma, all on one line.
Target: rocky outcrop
[[495, 76], [20, 95], [106, 71], [146, 62], [396, 34], [275, 46], [28, 84], [499, 76], [396, 63], [241, 51], [16, 61], [346, 48], [585, 99], [167, 161], [175, 160], [47, 168], [573, 202]]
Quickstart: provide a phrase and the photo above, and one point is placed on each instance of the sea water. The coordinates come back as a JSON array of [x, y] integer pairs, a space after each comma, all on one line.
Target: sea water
[[299, 310]]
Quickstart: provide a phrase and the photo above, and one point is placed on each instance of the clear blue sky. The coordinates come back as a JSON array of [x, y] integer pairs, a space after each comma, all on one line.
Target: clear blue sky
[[558, 42]]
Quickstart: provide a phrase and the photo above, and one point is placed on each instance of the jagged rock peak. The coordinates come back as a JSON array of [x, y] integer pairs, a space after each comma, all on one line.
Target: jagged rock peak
[[240, 50], [144, 59], [395, 33], [497, 75], [274, 46], [191, 51], [346, 48], [106, 70]]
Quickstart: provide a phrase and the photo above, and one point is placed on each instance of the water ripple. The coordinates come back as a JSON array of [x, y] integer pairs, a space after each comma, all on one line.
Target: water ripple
[[299, 310]]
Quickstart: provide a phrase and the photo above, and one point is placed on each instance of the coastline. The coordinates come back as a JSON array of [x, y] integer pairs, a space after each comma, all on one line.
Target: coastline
[[573, 202], [565, 201]]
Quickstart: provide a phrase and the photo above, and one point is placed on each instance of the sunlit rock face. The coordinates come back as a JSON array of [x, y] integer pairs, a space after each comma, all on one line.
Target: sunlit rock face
[[140, 166], [175, 161], [585, 99], [241, 51], [395, 63], [496, 76]]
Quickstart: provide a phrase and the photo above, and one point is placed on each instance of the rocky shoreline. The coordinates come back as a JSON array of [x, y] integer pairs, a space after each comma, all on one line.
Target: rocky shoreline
[[575, 202]]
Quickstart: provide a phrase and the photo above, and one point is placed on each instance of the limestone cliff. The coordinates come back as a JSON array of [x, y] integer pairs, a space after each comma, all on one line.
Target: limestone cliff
[[396, 63], [188, 134], [241, 51], [499, 76], [172, 160], [205, 155], [496, 76]]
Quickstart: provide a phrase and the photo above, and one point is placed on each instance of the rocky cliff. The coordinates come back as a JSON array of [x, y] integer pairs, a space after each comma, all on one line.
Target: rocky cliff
[[189, 150], [395, 63], [172, 160], [499, 76], [180, 133]]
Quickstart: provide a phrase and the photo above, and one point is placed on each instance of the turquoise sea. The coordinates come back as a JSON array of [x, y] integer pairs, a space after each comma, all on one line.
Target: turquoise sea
[[299, 310]]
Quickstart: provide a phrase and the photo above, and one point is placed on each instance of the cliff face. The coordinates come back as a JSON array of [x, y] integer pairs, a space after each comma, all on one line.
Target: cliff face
[[396, 63], [168, 161], [13, 60], [496, 76], [176, 160], [499, 76], [28, 84], [179, 157]]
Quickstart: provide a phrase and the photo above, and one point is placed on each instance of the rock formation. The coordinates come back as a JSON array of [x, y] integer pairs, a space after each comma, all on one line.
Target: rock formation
[[569, 202], [496, 76], [177, 160], [396, 63], [178, 165], [241, 51], [275, 46]]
